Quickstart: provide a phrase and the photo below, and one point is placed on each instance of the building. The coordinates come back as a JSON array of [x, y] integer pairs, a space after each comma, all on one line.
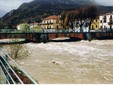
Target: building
[[35, 25], [95, 24], [106, 21], [52, 22]]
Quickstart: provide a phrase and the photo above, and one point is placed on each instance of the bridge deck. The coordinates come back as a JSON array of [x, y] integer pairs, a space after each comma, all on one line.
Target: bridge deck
[[47, 36]]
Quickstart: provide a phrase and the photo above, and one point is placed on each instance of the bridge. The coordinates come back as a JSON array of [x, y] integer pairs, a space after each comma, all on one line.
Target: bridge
[[47, 35], [11, 72]]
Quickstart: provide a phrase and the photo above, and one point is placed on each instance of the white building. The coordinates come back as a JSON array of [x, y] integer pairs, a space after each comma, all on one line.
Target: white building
[[106, 21]]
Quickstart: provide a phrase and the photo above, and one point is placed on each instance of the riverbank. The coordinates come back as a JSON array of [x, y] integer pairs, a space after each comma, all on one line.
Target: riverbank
[[70, 62]]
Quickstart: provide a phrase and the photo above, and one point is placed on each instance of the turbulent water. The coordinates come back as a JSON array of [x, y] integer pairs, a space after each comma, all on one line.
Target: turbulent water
[[70, 62]]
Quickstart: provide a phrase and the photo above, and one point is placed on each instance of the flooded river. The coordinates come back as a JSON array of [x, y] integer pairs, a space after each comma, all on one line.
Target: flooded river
[[70, 62]]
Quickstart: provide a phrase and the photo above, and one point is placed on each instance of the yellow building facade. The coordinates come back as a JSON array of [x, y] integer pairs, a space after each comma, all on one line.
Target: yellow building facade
[[95, 24], [52, 22]]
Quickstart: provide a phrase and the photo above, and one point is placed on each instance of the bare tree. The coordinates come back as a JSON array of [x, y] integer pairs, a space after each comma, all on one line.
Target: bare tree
[[83, 15], [17, 50]]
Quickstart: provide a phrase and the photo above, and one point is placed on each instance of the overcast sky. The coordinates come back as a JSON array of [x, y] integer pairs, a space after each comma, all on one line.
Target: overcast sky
[[105, 2], [8, 5]]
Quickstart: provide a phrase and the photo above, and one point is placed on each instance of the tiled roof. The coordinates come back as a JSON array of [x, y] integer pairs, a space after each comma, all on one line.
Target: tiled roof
[[51, 17], [108, 13]]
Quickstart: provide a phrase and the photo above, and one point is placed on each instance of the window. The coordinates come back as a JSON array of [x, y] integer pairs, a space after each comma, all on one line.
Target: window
[[47, 27], [50, 27], [92, 27], [47, 22], [57, 21], [57, 27], [104, 19], [110, 26], [110, 16], [100, 21], [105, 27], [51, 21], [110, 20], [101, 27]]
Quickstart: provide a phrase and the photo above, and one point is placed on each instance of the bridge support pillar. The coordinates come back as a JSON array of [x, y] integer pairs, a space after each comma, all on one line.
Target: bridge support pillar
[[87, 36], [41, 38], [37, 38], [44, 38]]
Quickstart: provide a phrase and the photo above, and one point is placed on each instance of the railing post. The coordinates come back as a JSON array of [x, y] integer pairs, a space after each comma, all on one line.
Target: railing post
[[9, 71], [6, 58]]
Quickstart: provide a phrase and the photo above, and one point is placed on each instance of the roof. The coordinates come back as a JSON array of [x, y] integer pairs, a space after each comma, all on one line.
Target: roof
[[107, 13], [51, 17]]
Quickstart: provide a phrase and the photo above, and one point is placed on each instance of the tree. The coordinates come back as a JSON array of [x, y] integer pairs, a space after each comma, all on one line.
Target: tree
[[24, 27], [64, 20], [84, 15], [17, 50]]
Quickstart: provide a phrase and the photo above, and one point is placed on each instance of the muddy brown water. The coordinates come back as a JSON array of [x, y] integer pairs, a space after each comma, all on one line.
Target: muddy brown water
[[80, 62]]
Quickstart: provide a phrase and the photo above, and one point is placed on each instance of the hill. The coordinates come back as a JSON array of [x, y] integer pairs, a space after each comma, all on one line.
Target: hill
[[38, 9]]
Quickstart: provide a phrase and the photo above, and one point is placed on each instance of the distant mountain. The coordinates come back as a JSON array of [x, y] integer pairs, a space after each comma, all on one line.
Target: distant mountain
[[2, 13], [38, 9]]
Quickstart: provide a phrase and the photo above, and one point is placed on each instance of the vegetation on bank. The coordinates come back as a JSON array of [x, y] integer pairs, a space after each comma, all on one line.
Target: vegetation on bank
[[17, 51], [24, 27]]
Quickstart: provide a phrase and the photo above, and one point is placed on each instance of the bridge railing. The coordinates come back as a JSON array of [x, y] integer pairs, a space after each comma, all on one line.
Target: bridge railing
[[78, 30], [63, 30], [18, 31], [83, 30], [12, 72]]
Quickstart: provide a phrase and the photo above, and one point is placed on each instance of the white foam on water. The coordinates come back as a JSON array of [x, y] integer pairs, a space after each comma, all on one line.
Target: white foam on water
[[87, 61]]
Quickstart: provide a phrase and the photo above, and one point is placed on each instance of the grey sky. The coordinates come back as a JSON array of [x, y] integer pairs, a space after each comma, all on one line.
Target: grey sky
[[8, 5], [105, 2]]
